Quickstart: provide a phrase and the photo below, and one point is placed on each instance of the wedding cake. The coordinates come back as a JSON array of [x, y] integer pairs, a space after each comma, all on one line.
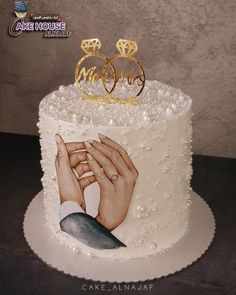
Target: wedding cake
[[147, 145]]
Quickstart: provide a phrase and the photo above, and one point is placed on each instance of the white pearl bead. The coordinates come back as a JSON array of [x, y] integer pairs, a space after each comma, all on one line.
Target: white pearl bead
[[74, 116], [167, 154], [138, 207], [167, 196], [174, 107], [143, 208], [153, 245], [62, 88], [140, 242], [169, 112]]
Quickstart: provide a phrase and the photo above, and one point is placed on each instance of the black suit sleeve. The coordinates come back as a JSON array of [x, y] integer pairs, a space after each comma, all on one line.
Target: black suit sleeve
[[89, 231]]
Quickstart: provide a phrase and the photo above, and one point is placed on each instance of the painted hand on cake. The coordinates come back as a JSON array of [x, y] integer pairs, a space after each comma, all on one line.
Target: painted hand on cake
[[70, 188], [116, 180]]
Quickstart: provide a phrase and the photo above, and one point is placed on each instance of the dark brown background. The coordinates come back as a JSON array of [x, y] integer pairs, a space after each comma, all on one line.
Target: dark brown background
[[186, 43]]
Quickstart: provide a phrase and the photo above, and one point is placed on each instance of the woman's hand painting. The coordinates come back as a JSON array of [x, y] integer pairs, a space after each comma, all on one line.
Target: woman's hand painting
[[116, 179], [70, 188]]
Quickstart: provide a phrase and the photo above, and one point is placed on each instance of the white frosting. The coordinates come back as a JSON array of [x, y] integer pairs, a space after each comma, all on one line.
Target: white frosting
[[157, 135]]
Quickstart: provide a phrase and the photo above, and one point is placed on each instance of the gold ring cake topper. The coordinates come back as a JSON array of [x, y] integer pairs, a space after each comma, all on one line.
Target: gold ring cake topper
[[119, 79]]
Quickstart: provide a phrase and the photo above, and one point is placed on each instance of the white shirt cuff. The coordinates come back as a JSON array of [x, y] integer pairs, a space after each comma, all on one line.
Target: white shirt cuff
[[69, 207]]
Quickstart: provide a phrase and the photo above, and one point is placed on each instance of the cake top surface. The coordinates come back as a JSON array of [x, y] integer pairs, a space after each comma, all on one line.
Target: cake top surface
[[157, 102]]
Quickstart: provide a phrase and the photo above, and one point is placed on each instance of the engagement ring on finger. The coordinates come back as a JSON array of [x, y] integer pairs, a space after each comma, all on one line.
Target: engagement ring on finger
[[114, 178]]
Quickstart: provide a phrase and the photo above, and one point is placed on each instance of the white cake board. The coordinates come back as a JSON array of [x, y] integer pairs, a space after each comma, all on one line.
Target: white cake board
[[192, 246]]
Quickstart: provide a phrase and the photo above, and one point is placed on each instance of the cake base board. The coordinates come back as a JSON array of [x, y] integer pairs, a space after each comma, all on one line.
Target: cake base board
[[187, 250]]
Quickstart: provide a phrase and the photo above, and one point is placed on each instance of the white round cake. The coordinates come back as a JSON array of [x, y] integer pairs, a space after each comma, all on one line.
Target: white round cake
[[156, 133]]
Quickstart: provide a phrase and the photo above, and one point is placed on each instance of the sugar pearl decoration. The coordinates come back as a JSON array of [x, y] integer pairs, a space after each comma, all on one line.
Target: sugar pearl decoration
[[138, 196], [142, 145], [62, 88], [167, 196], [140, 242], [169, 112], [181, 98], [155, 225], [74, 117], [152, 106], [165, 169], [154, 209], [167, 155], [141, 211], [153, 245], [173, 106], [156, 184], [141, 208]]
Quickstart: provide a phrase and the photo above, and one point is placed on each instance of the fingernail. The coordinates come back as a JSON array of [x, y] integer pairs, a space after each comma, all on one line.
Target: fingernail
[[87, 144], [58, 138], [102, 136], [89, 157], [90, 140]]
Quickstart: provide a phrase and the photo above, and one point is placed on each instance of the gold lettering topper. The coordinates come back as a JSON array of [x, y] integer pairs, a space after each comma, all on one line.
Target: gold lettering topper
[[115, 83]]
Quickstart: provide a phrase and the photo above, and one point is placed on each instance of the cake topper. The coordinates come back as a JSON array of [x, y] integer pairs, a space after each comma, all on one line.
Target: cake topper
[[119, 79]]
